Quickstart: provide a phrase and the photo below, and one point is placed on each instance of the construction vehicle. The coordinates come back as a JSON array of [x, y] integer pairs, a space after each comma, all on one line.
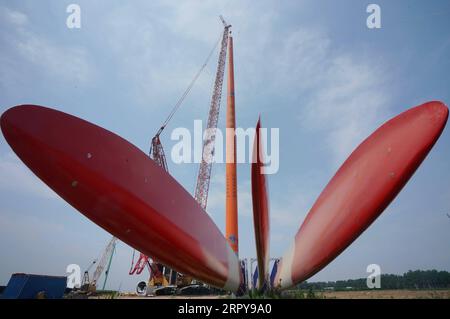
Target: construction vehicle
[[89, 285], [157, 271]]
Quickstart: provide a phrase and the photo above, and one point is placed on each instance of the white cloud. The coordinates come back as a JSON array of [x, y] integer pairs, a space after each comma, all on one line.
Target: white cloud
[[350, 104], [16, 177], [67, 63], [157, 62], [289, 210], [344, 95], [13, 17]]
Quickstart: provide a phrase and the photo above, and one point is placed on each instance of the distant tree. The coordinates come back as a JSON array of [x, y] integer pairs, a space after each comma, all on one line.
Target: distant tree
[[417, 279]]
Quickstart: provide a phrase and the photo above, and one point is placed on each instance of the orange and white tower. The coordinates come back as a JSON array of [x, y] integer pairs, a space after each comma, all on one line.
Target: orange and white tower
[[231, 180]]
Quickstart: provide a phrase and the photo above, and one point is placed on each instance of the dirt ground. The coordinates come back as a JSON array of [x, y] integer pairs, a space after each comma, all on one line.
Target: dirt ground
[[368, 294], [171, 297], [388, 294], [365, 294]]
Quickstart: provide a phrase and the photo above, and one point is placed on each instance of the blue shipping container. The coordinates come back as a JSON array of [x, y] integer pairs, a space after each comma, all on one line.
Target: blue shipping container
[[26, 286]]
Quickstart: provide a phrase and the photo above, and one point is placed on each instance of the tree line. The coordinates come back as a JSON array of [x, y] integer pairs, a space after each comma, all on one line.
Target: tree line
[[417, 279]]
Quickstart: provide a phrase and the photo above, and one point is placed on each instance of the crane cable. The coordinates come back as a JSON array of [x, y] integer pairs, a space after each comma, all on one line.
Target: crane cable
[[188, 89]]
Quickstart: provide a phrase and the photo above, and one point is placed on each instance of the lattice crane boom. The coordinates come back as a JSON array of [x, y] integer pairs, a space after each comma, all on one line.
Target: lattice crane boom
[[204, 173], [157, 153], [104, 260]]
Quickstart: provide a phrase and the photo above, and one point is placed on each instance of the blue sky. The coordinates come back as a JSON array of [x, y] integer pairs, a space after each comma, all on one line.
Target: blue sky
[[311, 68]]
